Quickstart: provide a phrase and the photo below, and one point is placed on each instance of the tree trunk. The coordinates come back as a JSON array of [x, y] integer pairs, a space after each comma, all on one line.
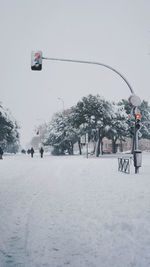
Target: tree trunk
[[79, 144], [97, 151], [72, 148], [94, 149], [121, 146], [99, 145], [114, 140]]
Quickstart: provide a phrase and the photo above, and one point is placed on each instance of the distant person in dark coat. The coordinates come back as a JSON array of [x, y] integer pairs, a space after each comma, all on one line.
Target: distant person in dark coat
[[41, 152], [29, 151], [1, 153], [32, 152]]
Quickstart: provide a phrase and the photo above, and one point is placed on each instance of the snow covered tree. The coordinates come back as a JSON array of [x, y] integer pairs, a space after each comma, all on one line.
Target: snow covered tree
[[9, 136], [97, 117], [61, 134], [118, 128], [92, 115]]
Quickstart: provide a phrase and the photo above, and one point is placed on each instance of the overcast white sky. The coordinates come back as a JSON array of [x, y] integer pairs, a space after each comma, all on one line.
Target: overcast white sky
[[115, 32]]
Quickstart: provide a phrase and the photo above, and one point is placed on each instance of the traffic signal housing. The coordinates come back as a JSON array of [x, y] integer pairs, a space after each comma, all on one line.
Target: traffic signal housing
[[36, 60], [138, 121]]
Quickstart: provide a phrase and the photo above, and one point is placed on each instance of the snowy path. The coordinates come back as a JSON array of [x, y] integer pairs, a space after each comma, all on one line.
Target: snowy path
[[70, 211]]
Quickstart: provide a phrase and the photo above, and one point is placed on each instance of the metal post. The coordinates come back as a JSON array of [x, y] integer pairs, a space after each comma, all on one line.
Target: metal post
[[133, 144], [136, 148], [136, 140], [137, 153], [86, 140], [87, 151]]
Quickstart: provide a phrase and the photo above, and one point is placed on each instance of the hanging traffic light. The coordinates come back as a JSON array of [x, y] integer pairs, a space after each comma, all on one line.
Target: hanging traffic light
[[138, 121], [36, 60]]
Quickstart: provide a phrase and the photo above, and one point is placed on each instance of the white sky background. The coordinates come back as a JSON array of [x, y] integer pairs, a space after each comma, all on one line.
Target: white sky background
[[115, 32]]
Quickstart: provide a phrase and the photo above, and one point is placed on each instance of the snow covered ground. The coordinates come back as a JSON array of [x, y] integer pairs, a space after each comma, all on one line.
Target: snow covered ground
[[73, 211]]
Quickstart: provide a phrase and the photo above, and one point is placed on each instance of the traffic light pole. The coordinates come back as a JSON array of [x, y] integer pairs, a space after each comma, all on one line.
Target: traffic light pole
[[134, 99], [93, 63], [136, 140], [137, 154]]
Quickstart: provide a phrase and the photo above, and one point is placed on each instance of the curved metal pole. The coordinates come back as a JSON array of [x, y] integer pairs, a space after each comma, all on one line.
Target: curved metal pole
[[94, 63]]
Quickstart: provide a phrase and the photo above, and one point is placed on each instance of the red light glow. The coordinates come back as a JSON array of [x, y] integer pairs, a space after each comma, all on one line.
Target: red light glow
[[138, 116]]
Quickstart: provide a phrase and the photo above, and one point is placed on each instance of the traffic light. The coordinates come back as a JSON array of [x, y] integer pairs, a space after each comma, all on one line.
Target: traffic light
[[36, 60], [138, 121]]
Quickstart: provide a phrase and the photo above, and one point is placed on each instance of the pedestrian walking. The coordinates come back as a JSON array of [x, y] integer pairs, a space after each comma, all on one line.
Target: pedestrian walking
[[32, 152], [1, 153], [29, 151], [41, 152]]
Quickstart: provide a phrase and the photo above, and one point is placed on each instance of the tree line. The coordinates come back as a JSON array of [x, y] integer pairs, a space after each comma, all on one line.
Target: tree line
[[97, 117], [9, 135]]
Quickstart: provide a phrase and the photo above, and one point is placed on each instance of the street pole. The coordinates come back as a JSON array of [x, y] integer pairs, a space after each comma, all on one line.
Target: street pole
[[86, 140], [136, 142], [93, 63], [137, 154]]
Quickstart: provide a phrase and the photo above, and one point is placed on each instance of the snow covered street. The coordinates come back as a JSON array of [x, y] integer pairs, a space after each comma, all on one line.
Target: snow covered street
[[73, 211]]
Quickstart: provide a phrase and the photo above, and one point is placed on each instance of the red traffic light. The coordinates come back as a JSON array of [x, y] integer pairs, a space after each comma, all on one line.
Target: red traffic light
[[36, 60], [138, 116], [37, 55]]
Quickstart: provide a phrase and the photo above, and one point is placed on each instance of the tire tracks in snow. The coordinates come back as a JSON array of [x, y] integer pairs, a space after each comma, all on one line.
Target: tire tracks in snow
[[13, 251], [27, 226]]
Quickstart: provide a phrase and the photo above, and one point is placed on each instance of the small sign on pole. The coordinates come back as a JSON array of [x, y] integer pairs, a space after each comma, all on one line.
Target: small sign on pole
[[134, 101], [86, 138], [83, 139]]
